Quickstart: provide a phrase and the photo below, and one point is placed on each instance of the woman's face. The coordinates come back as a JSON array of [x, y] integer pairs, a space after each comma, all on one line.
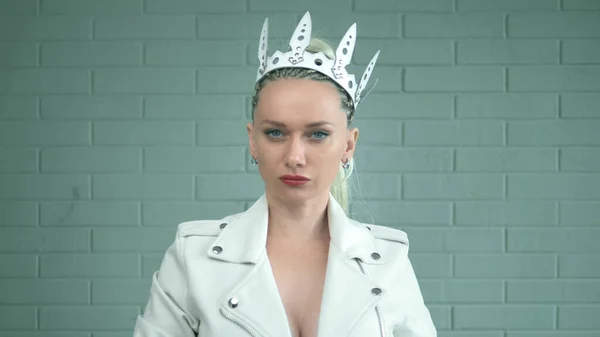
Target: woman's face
[[300, 129]]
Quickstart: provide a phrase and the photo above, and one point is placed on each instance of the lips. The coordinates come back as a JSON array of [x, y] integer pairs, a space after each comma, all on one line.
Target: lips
[[294, 178]]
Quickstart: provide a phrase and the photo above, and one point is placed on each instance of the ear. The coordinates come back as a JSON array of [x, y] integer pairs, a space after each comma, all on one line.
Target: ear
[[251, 142], [351, 143]]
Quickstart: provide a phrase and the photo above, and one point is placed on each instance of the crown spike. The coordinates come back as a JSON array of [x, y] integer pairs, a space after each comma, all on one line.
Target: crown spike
[[263, 47], [344, 52], [365, 77], [300, 39]]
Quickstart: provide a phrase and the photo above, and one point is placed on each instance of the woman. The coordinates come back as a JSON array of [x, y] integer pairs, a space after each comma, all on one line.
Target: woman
[[293, 264]]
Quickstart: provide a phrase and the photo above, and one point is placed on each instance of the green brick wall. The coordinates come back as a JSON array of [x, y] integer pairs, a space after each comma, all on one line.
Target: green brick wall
[[121, 118]]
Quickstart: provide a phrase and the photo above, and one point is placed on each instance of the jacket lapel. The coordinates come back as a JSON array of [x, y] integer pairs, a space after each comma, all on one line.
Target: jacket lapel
[[348, 292]]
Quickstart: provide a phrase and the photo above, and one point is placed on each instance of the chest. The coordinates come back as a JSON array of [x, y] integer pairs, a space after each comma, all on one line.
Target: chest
[[299, 274]]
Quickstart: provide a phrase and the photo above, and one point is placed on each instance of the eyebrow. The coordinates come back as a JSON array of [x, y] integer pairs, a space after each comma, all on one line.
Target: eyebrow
[[282, 125]]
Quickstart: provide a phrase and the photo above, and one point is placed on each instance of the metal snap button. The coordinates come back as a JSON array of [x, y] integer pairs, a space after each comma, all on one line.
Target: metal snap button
[[376, 291], [375, 256], [233, 302], [369, 228], [223, 225], [217, 249]]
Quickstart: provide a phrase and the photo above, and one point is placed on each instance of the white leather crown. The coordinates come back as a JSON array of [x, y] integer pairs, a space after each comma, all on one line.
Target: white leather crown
[[297, 57]]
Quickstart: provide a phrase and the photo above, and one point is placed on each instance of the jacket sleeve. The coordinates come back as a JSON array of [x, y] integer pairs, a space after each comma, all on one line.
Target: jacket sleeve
[[166, 314], [418, 322]]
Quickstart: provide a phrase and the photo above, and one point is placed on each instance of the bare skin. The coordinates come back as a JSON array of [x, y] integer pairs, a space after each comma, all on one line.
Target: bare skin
[[283, 141]]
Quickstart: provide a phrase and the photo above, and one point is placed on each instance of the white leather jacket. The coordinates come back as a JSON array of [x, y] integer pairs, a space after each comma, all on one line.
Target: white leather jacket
[[216, 281]]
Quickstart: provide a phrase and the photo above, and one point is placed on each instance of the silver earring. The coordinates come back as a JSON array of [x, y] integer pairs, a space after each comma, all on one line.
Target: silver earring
[[254, 161], [346, 164]]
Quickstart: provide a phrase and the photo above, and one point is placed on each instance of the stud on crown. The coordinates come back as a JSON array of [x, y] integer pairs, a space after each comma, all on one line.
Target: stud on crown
[[297, 57]]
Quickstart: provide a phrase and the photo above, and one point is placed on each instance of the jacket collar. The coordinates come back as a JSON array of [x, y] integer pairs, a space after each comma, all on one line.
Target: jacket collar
[[243, 239]]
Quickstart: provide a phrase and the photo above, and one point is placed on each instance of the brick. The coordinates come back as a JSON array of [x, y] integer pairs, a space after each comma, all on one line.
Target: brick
[[580, 106], [504, 317], [505, 213], [452, 79], [103, 265], [554, 25], [18, 108], [143, 133], [44, 334], [579, 240], [45, 28], [553, 186], [291, 6], [145, 187], [91, 7], [578, 317], [580, 51], [209, 107], [17, 213], [470, 334], [18, 266], [506, 160], [43, 292], [128, 27], [453, 133], [404, 52], [393, 159], [579, 266], [557, 133], [553, 291], [230, 187], [81, 317], [546, 78], [440, 316], [169, 214], [111, 334], [380, 186], [37, 240], [463, 291], [134, 240], [95, 107], [380, 132], [225, 80], [221, 133], [579, 213], [91, 160], [580, 5], [431, 265], [507, 51], [369, 25], [452, 186], [554, 334], [134, 291], [460, 25], [36, 186], [194, 159], [580, 159], [497, 266], [178, 53], [17, 317], [247, 26], [404, 6], [151, 264], [390, 80], [18, 7], [44, 81], [406, 106], [89, 213], [47, 133], [455, 240], [194, 7], [506, 106], [89, 54], [506, 5], [143, 81], [22, 54], [18, 160], [403, 213]]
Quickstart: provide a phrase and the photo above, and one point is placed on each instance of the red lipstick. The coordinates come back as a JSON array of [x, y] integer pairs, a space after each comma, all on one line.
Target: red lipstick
[[294, 180]]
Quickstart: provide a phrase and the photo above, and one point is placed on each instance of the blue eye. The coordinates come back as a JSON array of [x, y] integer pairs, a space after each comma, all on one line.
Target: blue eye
[[273, 133], [321, 133]]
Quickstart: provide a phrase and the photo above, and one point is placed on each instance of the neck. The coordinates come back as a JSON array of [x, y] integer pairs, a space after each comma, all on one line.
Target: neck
[[303, 221]]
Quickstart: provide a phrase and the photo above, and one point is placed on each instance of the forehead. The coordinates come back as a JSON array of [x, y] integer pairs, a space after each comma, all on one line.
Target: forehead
[[299, 100]]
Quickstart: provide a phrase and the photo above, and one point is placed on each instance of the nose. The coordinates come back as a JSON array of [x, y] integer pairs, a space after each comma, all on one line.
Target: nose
[[296, 155]]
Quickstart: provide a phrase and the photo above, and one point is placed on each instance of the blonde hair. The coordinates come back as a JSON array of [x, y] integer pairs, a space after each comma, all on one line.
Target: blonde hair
[[340, 186]]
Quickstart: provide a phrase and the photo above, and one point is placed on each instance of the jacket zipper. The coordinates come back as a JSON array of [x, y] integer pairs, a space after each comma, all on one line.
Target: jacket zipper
[[377, 310], [246, 328]]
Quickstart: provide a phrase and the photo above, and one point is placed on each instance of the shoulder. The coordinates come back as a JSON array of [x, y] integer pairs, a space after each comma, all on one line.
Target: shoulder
[[385, 233], [204, 227]]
